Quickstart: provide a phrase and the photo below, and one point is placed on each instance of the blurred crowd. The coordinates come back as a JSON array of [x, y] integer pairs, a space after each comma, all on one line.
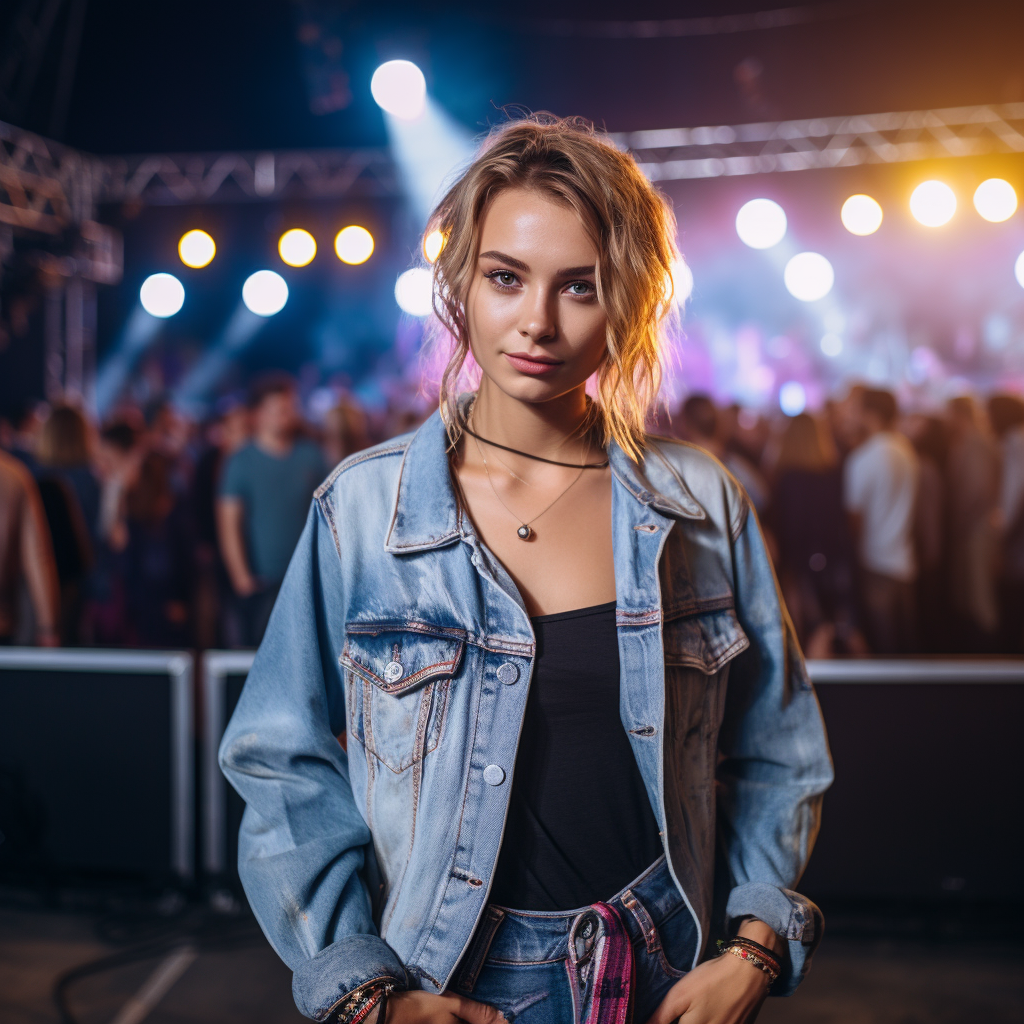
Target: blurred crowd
[[890, 533], [151, 530]]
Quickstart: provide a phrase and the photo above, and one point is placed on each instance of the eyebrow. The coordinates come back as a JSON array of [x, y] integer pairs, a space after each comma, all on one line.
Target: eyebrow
[[502, 257]]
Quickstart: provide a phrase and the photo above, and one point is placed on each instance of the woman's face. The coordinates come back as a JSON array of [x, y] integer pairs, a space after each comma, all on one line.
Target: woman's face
[[535, 325]]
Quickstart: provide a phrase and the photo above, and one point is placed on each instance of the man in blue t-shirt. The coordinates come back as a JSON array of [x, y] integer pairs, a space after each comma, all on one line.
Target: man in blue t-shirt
[[264, 496]]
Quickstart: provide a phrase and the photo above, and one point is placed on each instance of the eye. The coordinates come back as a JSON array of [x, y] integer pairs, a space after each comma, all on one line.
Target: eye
[[582, 288], [503, 279]]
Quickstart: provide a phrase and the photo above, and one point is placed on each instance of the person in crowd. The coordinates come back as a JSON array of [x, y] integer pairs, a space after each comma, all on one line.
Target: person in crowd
[[26, 557], [1006, 413], [346, 430], [930, 437], [880, 479], [972, 491], [520, 619], [158, 557], [700, 422], [26, 420], [816, 557], [263, 498], [70, 494]]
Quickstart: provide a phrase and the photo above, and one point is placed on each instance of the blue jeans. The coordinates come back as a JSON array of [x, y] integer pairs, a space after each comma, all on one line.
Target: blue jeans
[[519, 960]]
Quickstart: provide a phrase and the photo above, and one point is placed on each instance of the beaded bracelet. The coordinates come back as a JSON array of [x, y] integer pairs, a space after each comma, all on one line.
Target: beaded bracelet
[[361, 1002], [766, 954], [753, 958]]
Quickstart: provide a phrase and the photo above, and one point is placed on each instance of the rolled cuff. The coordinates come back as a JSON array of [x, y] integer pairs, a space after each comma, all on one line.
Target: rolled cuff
[[321, 983], [790, 915]]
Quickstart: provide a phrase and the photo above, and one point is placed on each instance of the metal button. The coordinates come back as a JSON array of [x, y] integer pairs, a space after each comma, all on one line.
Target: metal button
[[494, 775], [508, 673], [393, 671]]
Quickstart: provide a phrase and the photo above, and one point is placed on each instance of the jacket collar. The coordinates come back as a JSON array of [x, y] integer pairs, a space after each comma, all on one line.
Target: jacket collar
[[426, 510]]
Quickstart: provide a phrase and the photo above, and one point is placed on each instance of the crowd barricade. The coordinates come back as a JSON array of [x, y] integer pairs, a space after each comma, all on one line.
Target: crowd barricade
[[98, 759], [96, 763]]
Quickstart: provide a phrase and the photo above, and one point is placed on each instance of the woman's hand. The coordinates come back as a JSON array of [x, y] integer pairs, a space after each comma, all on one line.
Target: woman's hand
[[418, 1007], [726, 990]]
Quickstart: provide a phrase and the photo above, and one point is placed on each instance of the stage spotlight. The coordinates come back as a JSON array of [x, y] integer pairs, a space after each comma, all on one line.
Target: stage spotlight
[[761, 223], [162, 295], [433, 243], [297, 247], [809, 276], [831, 345], [933, 203], [995, 200], [265, 293], [353, 245], [861, 215], [400, 89], [196, 249], [414, 291], [1018, 270], [792, 398]]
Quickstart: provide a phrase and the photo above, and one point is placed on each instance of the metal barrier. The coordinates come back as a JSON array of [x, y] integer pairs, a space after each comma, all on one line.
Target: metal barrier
[[946, 670], [177, 666]]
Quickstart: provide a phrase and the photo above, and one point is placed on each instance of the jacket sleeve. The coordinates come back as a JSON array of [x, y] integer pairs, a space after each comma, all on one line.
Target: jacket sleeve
[[774, 764], [303, 840]]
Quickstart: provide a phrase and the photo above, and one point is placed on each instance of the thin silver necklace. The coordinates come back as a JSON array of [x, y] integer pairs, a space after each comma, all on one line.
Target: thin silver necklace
[[525, 531]]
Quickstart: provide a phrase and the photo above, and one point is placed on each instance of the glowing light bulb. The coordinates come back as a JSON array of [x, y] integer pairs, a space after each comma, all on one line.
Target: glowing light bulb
[[861, 215], [265, 293], [809, 276], [933, 203], [399, 88], [995, 200], [354, 245], [297, 247], [196, 249], [162, 295], [761, 223], [414, 291], [792, 398], [433, 243]]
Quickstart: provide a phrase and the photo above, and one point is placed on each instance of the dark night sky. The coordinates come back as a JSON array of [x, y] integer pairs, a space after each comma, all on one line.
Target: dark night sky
[[222, 74]]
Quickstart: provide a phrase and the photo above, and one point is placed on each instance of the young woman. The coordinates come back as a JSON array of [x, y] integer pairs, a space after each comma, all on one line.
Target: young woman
[[529, 729]]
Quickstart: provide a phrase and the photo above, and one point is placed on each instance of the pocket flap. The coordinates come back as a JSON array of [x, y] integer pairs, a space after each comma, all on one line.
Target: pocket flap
[[705, 640], [397, 661]]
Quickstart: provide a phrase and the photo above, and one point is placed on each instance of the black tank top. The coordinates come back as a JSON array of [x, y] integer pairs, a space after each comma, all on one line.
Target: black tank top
[[580, 824]]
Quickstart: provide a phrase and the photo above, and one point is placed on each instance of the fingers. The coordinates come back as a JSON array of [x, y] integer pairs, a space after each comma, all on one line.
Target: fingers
[[471, 1011]]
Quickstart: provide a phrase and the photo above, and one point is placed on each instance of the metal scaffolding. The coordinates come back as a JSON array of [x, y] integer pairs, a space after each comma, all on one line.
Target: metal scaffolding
[[674, 154]]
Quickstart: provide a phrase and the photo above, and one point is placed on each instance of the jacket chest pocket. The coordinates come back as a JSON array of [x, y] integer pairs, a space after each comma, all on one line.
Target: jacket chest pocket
[[397, 685], [698, 647]]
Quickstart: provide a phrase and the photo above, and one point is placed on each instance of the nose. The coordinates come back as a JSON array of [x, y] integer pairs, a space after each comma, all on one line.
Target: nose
[[537, 319]]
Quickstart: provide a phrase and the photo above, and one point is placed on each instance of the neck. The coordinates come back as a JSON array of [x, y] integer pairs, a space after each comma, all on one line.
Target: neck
[[273, 442], [549, 429]]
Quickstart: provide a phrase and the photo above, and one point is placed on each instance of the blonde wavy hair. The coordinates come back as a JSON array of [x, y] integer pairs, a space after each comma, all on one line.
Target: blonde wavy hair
[[632, 227]]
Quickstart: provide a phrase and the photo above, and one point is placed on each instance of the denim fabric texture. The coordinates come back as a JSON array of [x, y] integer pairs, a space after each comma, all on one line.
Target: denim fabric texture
[[398, 628], [528, 964]]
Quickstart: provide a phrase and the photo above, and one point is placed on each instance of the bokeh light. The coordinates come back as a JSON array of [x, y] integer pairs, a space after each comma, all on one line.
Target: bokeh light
[[265, 293], [861, 215], [399, 88], [761, 223], [297, 247], [1018, 270], [831, 345], [354, 245], [682, 281], [433, 243], [414, 291], [792, 398], [809, 276], [995, 200], [933, 203], [162, 295], [196, 249]]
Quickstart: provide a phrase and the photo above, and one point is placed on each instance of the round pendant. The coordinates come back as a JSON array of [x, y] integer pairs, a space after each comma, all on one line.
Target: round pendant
[[524, 532]]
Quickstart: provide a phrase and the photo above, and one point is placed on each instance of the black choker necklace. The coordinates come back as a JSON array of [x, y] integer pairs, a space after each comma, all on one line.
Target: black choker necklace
[[539, 458]]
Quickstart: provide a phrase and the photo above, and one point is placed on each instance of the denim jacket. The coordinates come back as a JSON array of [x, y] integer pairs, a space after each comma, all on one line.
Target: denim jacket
[[376, 735]]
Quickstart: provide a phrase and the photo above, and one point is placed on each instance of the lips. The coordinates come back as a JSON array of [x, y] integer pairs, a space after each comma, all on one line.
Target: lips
[[534, 365]]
